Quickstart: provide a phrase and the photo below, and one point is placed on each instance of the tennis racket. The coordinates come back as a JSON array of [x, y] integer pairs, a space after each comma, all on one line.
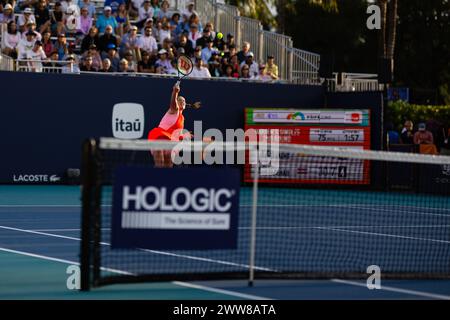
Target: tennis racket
[[184, 67]]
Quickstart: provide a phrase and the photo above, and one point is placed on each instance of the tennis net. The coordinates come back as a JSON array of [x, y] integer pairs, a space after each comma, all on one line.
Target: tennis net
[[304, 212]]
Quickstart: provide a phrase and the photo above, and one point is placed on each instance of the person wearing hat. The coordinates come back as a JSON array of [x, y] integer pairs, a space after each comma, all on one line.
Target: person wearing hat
[[70, 65], [271, 68], [26, 17], [71, 4], [31, 26], [189, 11], [253, 66], [112, 55], [130, 41], [36, 55], [114, 4], [71, 21], [7, 15], [106, 19], [423, 136], [26, 44], [145, 12], [163, 64], [95, 55]]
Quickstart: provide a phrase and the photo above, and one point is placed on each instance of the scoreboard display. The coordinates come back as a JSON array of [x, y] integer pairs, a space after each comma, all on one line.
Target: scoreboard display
[[344, 128]]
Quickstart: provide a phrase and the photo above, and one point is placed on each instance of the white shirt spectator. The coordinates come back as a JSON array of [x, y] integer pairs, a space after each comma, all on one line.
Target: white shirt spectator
[[138, 3], [72, 5], [193, 37], [254, 69], [23, 47], [36, 56], [148, 44], [21, 21], [201, 72], [145, 14], [164, 34], [12, 40], [70, 68]]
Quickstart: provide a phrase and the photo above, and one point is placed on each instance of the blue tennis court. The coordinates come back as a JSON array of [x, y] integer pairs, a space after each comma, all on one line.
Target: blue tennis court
[[40, 238]]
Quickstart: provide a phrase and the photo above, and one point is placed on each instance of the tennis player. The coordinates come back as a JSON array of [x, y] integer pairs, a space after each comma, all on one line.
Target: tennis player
[[170, 128]]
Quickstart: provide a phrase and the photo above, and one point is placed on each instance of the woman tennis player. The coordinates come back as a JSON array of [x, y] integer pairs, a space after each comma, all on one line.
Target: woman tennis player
[[171, 127]]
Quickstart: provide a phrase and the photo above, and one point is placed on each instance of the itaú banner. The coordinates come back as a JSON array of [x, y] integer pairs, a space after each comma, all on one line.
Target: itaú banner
[[302, 116], [174, 209]]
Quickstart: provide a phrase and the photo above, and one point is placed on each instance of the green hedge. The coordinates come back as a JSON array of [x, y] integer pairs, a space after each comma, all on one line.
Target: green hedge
[[399, 111]]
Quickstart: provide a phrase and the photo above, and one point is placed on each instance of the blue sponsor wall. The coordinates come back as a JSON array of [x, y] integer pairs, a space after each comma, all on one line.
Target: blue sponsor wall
[[46, 117]]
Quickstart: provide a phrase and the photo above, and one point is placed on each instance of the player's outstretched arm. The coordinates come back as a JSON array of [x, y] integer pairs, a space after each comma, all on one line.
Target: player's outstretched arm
[[174, 99]]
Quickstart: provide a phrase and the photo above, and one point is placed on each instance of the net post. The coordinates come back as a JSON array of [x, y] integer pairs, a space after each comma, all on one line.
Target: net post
[[253, 223], [88, 177]]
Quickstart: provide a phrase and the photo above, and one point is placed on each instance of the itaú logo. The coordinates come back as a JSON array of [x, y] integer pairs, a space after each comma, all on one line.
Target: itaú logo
[[180, 199], [128, 121], [296, 116]]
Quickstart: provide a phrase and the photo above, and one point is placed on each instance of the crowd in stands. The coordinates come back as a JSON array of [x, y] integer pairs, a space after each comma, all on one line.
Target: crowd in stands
[[429, 137], [143, 36]]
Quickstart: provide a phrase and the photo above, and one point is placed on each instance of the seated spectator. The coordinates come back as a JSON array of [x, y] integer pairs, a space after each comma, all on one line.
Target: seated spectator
[[11, 40], [208, 50], [164, 11], [61, 46], [189, 11], [392, 136], [112, 55], [198, 53], [26, 44], [146, 65], [205, 38], [71, 66], [70, 4], [7, 15], [114, 4], [194, 19], [254, 69], [31, 26], [95, 55], [271, 68], [185, 44], [194, 35], [147, 42], [133, 8], [245, 72], [105, 20], [47, 43], [164, 32], [423, 136], [90, 39], [129, 56], [199, 70], [84, 22], [230, 51], [231, 41], [262, 76], [215, 68], [183, 26], [229, 72], [57, 19], [36, 55], [123, 66], [163, 63], [407, 133], [149, 24], [130, 41], [26, 17], [234, 62], [145, 12], [87, 65], [106, 66], [168, 46], [242, 55], [89, 6], [121, 18], [106, 39], [53, 66], [156, 8], [42, 15], [174, 23], [71, 21]]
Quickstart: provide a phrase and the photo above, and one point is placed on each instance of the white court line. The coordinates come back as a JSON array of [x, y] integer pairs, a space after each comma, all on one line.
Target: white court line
[[385, 235], [393, 289], [145, 250], [177, 283]]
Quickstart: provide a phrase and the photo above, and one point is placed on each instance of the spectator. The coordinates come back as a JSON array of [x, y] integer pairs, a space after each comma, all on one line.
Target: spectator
[[145, 12], [423, 136], [8, 14], [165, 33], [57, 19], [95, 55], [114, 4], [189, 10], [26, 17], [185, 44], [229, 72], [183, 26], [164, 12], [230, 40], [147, 42], [84, 22], [105, 20], [254, 70], [121, 18], [53, 66], [174, 23], [133, 8], [205, 38], [42, 15], [31, 26], [47, 44], [61, 46], [130, 41], [194, 35], [199, 70], [146, 65], [245, 72], [90, 7], [71, 21], [129, 56], [167, 45], [235, 64], [26, 44], [208, 50], [70, 4], [123, 66], [262, 76], [89, 39], [163, 64], [71, 66], [198, 53], [220, 44], [229, 52], [106, 66], [271, 68], [214, 68], [210, 26], [242, 55], [392, 136], [106, 39], [87, 65], [11, 40], [112, 56], [194, 19], [407, 133], [36, 55], [149, 23]]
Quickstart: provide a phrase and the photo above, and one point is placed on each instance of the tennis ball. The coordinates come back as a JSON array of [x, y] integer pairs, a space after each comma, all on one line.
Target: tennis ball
[[220, 35]]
